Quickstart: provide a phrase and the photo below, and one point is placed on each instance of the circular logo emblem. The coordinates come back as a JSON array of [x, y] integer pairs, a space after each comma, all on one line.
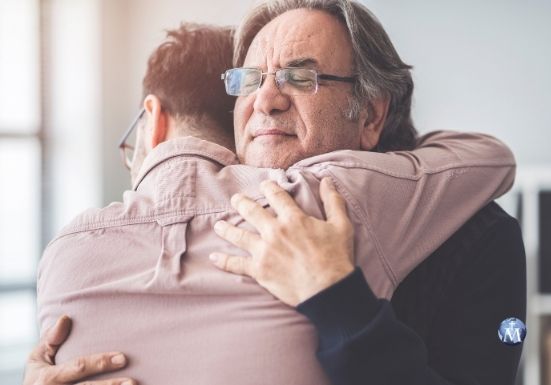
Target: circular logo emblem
[[512, 331]]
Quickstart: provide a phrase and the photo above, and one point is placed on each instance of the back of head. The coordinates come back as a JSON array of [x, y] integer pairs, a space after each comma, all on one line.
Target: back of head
[[184, 73], [380, 71]]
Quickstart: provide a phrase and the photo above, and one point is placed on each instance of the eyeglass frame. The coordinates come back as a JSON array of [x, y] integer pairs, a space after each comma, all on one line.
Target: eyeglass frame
[[319, 75], [123, 146]]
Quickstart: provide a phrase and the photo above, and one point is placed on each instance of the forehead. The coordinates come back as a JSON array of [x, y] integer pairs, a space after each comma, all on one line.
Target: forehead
[[300, 34]]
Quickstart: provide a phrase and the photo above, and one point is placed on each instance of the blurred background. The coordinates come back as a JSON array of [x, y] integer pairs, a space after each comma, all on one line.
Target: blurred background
[[70, 83]]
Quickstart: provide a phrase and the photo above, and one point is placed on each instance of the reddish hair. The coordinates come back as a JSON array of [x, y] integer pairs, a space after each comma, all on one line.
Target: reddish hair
[[184, 73]]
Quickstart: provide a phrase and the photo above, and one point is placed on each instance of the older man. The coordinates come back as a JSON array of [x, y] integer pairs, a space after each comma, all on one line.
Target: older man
[[453, 320], [364, 124]]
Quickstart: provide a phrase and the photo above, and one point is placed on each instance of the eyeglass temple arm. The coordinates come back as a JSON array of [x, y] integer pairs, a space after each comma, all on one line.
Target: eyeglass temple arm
[[131, 127], [337, 78]]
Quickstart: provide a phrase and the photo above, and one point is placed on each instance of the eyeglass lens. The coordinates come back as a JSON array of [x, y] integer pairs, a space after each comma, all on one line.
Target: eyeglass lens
[[291, 81]]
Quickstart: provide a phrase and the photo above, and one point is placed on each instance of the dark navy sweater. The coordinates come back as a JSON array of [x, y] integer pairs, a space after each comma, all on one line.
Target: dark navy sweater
[[441, 325]]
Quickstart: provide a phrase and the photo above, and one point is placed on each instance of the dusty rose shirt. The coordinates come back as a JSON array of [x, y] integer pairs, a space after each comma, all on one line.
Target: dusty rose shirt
[[135, 276]]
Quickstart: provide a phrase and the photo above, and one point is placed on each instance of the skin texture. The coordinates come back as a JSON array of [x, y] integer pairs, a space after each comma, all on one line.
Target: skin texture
[[308, 124]]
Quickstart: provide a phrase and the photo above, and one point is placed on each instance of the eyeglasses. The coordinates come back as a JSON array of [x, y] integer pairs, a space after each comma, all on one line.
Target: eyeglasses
[[290, 81], [127, 150]]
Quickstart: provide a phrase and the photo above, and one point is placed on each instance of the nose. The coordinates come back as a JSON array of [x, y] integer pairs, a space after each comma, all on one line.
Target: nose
[[269, 99]]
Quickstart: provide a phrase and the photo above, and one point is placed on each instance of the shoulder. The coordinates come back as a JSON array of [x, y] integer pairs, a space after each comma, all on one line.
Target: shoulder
[[491, 228], [135, 208], [483, 257], [98, 243]]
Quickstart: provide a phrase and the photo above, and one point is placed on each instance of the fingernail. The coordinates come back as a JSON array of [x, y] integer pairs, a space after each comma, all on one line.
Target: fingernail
[[57, 324], [127, 383], [218, 226], [214, 257], [118, 359], [235, 198], [267, 183]]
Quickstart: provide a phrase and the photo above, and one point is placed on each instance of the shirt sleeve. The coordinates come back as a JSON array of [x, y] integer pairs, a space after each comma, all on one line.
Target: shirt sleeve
[[410, 202], [362, 341]]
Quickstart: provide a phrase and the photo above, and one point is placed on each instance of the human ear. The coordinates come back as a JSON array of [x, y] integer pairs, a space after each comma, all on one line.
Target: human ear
[[157, 121], [373, 120]]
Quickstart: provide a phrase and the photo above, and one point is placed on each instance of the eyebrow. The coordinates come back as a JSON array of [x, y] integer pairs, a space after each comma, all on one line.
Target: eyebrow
[[302, 62]]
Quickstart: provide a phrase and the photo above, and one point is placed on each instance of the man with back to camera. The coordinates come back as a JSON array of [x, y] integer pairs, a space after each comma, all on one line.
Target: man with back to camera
[[278, 98]]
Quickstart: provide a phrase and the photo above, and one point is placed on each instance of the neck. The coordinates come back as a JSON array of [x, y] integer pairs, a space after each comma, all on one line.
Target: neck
[[203, 128]]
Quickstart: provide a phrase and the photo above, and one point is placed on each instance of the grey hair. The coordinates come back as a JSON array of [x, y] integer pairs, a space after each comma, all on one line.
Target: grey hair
[[380, 71]]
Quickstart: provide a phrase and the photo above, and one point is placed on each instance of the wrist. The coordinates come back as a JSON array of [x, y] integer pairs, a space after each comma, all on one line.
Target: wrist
[[342, 309], [331, 277]]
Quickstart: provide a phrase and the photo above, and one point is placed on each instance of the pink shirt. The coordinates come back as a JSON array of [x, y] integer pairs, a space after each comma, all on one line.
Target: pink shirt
[[135, 276]]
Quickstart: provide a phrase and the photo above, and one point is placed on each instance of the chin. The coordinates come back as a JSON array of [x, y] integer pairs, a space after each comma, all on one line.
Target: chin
[[270, 162]]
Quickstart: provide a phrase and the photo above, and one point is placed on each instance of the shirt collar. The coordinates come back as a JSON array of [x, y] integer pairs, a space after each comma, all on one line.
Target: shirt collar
[[185, 146]]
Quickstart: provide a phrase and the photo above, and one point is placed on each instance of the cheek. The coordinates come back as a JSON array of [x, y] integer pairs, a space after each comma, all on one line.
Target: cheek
[[317, 117], [328, 129]]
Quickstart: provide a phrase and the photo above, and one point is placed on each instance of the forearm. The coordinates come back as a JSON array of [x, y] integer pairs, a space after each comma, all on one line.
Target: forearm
[[361, 341], [409, 203], [470, 286]]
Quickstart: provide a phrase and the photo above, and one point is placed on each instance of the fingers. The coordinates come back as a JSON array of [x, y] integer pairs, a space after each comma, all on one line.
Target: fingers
[[333, 203], [239, 237], [83, 367], [60, 331], [233, 264], [53, 338], [114, 381], [43, 358], [282, 203], [253, 213]]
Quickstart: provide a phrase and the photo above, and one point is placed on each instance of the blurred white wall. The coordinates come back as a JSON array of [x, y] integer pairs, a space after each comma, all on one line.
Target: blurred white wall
[[71, 89], [479, 66]]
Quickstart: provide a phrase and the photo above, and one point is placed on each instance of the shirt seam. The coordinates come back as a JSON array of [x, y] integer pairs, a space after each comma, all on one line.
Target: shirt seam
[[387, 266], [104, 224], [422, 170], [367, 225]]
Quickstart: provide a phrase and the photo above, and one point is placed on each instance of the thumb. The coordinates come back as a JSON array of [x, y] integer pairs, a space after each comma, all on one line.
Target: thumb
[[51, 341], [59, 332]]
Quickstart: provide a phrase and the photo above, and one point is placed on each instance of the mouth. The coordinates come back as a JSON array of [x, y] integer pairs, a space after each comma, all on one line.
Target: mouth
[[271, 132]]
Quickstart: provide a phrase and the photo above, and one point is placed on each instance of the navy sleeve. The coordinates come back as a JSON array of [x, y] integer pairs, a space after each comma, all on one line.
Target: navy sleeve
[[361, 341]]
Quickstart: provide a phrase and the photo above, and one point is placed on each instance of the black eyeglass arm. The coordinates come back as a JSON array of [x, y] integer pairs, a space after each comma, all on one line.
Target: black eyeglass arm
[[131, 127], [337, 78]]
